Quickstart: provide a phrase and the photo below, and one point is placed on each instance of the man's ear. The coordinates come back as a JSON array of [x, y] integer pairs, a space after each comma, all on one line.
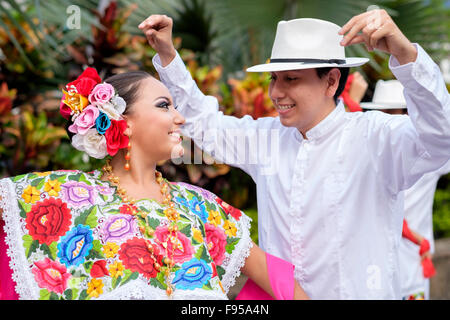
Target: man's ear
[[333, 77]]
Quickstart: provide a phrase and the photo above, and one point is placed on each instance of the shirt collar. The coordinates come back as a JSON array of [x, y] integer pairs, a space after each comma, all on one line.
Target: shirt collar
[[327, 125]]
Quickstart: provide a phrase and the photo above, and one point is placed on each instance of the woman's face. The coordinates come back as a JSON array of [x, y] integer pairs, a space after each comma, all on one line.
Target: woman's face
[[154, 124]]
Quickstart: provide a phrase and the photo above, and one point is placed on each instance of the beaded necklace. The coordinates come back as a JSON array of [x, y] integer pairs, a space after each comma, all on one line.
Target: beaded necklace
[[171, 214]]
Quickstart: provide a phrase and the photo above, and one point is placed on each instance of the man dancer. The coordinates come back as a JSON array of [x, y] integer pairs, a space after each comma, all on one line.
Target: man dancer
[[344, 244]]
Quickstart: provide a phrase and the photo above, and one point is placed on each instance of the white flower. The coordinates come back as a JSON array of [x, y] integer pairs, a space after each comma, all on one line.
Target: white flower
[[110, 111], [119, 104], [92, 143]]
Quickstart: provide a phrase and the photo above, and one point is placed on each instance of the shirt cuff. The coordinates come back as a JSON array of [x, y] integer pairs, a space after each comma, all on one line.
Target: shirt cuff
[[413, 73], [174, 73]]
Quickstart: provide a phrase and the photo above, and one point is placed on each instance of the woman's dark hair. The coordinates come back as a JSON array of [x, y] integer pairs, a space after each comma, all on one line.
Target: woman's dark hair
[[126, 85], [342, 81]]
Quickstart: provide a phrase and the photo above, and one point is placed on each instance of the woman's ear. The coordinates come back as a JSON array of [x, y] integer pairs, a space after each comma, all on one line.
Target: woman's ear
[[128, 130], [333, 81]]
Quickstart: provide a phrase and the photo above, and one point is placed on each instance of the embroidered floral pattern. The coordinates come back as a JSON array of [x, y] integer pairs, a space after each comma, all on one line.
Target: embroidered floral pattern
[[75, 245], [81, 242], [48, 220], [51, 275], [193, 274], [78, 194]]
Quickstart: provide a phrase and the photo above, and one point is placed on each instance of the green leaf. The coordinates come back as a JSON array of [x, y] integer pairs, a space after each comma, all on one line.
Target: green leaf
[[75, 177], [24, 208], [46, 249], [87, 266], [36, 182], [83, 295], [116, 281], [92, 218], [185, 229], [231, 243], [44, 294], [152, 222], [88, 217], [128, 276], [33, 247], [202, 254], [53, 296], [158, 281], [207, 286], [27, 241], [68, 294], [220, 271]]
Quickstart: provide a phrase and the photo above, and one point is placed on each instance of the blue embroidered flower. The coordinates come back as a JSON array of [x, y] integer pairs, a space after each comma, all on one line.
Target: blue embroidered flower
[[199, 209], [193, 274], [75, 245], [182, 201], [102, 123]]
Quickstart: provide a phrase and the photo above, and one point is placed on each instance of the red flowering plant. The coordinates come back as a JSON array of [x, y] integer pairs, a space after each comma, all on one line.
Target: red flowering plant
[[95, 111]]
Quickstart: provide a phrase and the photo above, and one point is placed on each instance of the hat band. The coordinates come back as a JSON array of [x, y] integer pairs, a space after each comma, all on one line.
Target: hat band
[[288, 60]]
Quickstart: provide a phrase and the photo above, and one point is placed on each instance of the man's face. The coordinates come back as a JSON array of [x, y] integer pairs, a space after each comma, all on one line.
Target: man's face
[[301, 98]]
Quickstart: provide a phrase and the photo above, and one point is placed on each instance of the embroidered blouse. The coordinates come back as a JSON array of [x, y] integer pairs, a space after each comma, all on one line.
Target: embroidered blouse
[[71, 237]]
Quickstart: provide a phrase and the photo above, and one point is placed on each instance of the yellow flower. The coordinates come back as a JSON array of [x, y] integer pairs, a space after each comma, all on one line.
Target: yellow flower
[[95, 288], [197, 235], [42, 174], [230, 228], [53, 187], [31, 194], [75, 101], [214, 218], [116, 269], [110, 249]]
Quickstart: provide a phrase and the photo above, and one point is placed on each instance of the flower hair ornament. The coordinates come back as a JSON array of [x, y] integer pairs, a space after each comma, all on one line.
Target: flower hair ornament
[[95, 111]]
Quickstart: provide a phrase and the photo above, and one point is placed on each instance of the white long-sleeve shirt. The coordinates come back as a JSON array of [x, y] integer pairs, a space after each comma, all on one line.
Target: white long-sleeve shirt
[[419, 215], [330, 204]]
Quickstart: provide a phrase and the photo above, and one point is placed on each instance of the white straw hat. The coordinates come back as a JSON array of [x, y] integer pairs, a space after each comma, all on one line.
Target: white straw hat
[[387, 95], [305, 44]]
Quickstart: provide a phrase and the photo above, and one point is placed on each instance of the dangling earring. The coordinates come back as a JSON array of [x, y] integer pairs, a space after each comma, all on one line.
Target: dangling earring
[[128, 156]]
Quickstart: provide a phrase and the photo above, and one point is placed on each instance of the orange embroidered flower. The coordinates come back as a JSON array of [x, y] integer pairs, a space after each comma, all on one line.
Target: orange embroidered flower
[[116, 269], [95, 288], [52, 187], [214, 218], [230, 228], [110, 249], [31, 194]]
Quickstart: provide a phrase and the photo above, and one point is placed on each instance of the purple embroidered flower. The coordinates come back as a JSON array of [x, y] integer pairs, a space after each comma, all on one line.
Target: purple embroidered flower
[[105, 190], [78, 194], [118, 228]]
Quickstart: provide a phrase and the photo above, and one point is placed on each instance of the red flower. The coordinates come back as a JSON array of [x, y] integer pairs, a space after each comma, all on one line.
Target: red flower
[[136, 257], [85, 85], [48, 220], [216, 241], [89, 73], [64, 109], [115, 137], [128, 209], [99, 270], [232, 211]]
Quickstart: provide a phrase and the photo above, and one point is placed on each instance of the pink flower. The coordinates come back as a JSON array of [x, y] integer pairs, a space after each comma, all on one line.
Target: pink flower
[[85, 120], [51, 275], [183, 248], [101, 94], [216, 241]]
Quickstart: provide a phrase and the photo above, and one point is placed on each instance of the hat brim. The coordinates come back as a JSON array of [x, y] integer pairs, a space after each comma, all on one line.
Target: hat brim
[[382, 106], [285, 66]]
